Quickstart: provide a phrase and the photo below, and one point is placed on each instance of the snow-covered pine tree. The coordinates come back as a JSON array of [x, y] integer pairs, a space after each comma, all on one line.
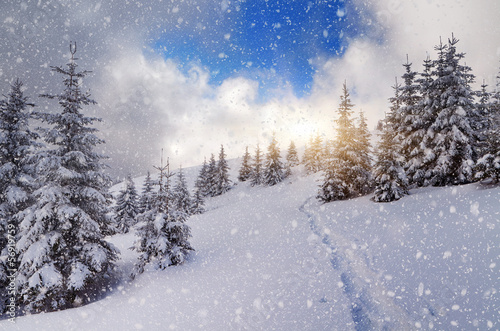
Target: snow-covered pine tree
[[416, 121], [363, 182], [450, 138], [488, 165], [146, 194], [308, 157], [197, 202], [256, 177], [126, 209], [63, 253], [181, 195], [162, 234], [316, 157], [17, 172], [341, 172], [292, 157], [273, 170], [391, 182], [223, 183], [246, 168], [211, 179], [202, 179], [406, 120]]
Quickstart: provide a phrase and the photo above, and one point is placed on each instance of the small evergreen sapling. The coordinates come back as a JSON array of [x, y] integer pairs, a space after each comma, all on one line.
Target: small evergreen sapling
[[126, 209], [257, 173], [274, 170], [162, 234], [246, 169]]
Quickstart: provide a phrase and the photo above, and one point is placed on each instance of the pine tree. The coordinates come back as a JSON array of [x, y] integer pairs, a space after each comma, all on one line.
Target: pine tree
[[201, 183], [406, 119], [126, 209], [17, 162], [257, 172], [292, 157], [223, 183], [488, 165], [211, 180], [450, 140], [63, 254], [308, 157], [341, 172], [246, 169], [163, 234], [198, 202], [182, 197], [146, 194], [274, 170], [363, 181], [391, 182]]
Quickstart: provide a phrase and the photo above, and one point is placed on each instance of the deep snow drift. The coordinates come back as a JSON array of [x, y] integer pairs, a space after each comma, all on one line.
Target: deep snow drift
[[275, 258]]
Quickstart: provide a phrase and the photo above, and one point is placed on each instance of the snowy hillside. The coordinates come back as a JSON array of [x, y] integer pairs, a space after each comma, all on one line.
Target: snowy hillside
[[274, 258]]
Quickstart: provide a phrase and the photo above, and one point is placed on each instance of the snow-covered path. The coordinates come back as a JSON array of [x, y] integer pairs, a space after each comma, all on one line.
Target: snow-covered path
[[370, 308]]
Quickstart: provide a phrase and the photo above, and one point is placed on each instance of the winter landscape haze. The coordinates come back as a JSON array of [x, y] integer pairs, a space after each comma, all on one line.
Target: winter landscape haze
[[249, 165]]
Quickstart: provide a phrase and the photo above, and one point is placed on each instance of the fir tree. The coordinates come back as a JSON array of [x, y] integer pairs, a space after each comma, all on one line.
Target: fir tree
[[126, 209], [198, 202], [246, 169], [308, 157], [341, 173], [292, 157], [413, 127], [146, 197], [257, 173], [63, 254], [391, 182], [201, 183], [163, 234], [182, 198], [450, 140], [488, 165], [273, 171], [363, 181], [223, 184], [17, 162], [211, 179]]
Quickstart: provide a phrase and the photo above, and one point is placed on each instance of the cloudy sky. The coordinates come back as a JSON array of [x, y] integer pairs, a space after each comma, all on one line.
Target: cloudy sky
[[190, 75]]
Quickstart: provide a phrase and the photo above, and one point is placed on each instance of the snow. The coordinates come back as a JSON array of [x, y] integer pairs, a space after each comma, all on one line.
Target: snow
[[276, 258]]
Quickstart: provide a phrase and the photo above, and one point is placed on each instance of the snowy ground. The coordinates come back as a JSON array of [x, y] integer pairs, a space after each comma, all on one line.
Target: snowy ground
[[275, 258]]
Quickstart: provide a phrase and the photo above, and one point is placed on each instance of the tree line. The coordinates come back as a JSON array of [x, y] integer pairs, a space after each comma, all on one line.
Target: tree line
[[55, 205]]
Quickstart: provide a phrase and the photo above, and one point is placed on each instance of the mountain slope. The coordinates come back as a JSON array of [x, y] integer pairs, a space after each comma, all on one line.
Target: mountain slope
[[275, 258]]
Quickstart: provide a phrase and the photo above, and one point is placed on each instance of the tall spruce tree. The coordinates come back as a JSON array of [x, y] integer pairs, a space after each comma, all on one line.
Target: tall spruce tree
[[201, 183], [391, 182], [341, 173], [488, 165], [17, 173], [211, 183], [450, 140], [414, 125], [363, 181], [223, 183], [126, 209], [181, 195], [292, 157], [63, 254], [146, 194], [274, 170], [163, 233], [246, 168], [257, 171]]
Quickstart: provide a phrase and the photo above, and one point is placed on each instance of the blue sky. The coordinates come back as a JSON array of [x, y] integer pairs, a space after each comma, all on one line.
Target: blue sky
[[271, 42]]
